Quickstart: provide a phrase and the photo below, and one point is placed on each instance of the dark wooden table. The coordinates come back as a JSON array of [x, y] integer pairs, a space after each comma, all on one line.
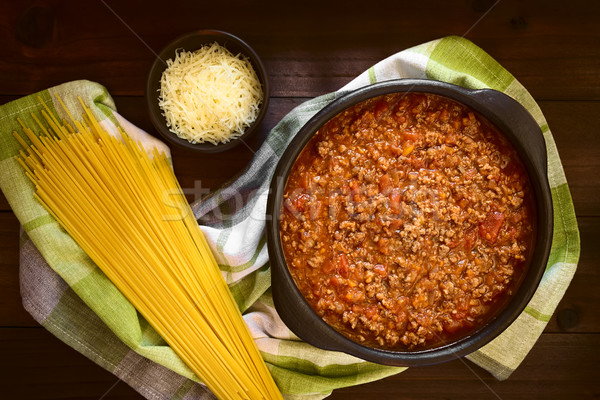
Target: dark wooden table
[[552, 47]]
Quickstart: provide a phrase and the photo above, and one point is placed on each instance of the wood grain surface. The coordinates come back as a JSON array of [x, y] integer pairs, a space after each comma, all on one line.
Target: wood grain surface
[[309, 49]]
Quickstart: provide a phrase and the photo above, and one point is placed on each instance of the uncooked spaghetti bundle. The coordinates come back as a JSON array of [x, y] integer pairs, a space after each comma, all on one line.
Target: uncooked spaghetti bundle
[[127, 211]]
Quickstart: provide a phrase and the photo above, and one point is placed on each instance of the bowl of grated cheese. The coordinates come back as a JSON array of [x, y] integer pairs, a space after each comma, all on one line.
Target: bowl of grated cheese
[[207, 91]]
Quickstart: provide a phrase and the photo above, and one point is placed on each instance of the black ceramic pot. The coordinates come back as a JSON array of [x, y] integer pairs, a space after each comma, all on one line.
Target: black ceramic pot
[[520, 129]]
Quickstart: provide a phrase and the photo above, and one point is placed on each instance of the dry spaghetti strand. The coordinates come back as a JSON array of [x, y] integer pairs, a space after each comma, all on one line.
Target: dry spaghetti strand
[[128, 213]]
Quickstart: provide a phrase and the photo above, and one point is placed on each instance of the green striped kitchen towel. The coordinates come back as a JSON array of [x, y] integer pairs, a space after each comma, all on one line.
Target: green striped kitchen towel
[[67, 294]]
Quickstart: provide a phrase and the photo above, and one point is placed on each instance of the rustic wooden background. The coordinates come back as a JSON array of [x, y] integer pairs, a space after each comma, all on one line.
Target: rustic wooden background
[[552, 47]]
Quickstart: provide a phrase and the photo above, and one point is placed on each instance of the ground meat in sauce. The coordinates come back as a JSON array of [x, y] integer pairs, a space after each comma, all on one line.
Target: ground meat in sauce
[[406, 220]]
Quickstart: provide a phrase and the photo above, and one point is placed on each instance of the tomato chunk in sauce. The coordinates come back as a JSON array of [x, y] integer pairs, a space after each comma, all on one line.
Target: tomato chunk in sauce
[[406, 221]]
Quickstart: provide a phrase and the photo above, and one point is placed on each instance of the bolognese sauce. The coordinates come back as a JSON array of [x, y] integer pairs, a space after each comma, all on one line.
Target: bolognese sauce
[[406, 220]]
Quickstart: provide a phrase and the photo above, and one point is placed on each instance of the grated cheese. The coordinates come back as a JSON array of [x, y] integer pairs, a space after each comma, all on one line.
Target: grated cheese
[[209, 95]]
